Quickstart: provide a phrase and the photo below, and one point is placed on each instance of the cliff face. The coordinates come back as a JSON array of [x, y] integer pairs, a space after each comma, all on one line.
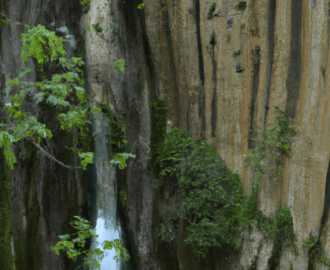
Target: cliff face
[[220, 78], [191, 62], [43, 196]]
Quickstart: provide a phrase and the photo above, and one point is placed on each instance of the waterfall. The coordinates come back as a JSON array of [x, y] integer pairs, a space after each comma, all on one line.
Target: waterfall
[[108, 225]]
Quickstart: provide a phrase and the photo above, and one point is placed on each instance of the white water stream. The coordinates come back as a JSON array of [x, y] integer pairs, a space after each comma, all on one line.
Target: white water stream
[[107, 223]]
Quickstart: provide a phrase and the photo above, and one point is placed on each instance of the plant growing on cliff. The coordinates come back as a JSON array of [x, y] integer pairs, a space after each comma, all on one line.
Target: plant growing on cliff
[[97, 28], [211, 194], [241, 5], [74, 245], [315, 251], [281, 231], [64, 92], [211, 10], [120, 65], [3, 22], [123, 197], [271, 146], [208, 195], [165, 234]]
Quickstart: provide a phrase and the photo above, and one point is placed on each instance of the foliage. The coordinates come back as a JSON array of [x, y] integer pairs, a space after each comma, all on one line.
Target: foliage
[[120, 64], [87, 27], [120, 160], [115, 29], [141, 6], [81, 47], [118, 126], [308, 243], [3, 22], [165, 234], [213, 201], [281, 231], [97, 28], [274, 142], [210, 194], [86, 2], [41, 44], [316, 252], [123, 197], [65, 92], [74, 245], [117, 139], [241, 5], [211, 10]]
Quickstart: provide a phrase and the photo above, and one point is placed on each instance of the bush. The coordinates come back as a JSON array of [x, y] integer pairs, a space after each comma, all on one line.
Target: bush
[[211, 10]]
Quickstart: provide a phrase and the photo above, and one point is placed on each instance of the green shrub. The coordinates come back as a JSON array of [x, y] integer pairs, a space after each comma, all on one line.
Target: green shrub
[[208, 194], [97, 28], [75, 245], [315, 251], [241, 5], [271, 146], [211, 10], [281, 231], [212, 195]]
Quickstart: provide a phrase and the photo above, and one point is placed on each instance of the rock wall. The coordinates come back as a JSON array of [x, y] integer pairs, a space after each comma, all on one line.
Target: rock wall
[[43, 196], [220, 78]]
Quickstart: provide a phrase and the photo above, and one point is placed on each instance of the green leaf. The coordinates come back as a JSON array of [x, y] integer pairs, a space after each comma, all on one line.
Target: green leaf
[[97, 28], [24, 72], [87, 27], [141, 6], [120, 65], [3, 21]]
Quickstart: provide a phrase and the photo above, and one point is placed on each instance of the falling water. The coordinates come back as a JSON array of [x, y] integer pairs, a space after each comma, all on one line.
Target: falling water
[[108, 225]]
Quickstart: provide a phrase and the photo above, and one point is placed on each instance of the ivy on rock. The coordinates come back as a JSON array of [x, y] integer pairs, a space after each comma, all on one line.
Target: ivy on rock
[[209, 195]]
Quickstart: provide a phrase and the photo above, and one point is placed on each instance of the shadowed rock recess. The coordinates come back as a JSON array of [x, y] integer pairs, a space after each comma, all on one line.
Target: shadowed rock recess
[[215, 78]]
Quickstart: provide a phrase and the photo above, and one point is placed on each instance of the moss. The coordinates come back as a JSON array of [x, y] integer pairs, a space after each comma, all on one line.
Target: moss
[[281, 231], [211, 10], [6, 258], [123, 197], [116, 140], [241, 5], [81, 45], [315, 252]]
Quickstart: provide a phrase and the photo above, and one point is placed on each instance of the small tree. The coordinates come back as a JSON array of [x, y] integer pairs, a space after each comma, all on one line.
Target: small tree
[[65, 93], [74, 245]]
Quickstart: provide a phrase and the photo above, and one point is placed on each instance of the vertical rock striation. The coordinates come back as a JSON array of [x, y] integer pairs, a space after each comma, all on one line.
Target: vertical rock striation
[[174, 52]]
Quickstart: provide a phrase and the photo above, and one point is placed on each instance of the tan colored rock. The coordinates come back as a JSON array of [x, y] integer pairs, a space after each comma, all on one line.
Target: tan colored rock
[[190, 64]]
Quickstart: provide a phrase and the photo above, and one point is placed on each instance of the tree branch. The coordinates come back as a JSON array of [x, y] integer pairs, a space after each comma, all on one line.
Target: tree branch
[[15, 23], [53, 158]]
